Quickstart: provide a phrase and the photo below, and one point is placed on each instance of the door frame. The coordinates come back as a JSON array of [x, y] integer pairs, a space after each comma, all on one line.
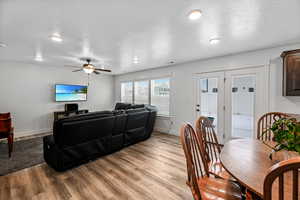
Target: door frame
[[263, 105], [260, 105], [221, 100]]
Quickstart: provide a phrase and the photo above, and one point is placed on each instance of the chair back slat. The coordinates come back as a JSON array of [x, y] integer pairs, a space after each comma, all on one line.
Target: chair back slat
[[205, 130], [295, 183], [215, 142], [265, 122], [193, 151], [280, 190], [278, 171]]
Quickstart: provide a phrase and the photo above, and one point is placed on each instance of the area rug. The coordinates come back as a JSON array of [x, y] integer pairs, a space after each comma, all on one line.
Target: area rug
[[26, 153]]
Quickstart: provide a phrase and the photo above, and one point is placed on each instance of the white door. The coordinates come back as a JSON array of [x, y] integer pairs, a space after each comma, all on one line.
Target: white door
[[234, 99], [210, 99], [245, 101]]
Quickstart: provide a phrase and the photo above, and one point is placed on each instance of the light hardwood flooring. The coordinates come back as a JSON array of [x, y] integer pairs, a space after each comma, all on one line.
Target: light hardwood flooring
[[153, 169]]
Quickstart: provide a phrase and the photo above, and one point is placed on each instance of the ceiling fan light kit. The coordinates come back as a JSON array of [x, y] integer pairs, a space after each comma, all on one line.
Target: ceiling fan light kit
[[89, 68]]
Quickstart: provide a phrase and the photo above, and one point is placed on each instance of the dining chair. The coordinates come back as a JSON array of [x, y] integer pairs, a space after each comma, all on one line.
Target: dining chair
[[265, 122], [7, 131], [202, 185], [212, 148], [277, 172]]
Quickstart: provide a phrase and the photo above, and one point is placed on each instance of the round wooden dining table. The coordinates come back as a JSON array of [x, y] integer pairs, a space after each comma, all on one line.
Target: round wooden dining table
[[247, 160]]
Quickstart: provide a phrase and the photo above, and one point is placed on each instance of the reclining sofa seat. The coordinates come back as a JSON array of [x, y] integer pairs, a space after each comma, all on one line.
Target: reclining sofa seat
[[137, 120], [79, 139], [117, 140], [136, 113]]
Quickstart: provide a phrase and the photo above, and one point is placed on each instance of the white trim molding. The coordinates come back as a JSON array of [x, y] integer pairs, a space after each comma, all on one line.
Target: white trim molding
[[20, 134]]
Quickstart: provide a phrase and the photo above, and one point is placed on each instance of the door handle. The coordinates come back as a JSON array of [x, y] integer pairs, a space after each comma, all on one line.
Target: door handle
[[197, 110]]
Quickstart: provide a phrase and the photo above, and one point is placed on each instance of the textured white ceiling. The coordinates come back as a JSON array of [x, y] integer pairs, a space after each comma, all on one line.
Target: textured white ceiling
[[155, 31]]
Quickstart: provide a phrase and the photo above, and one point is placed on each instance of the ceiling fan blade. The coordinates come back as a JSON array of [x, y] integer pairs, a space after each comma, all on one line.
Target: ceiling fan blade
[[104, 70], [78, 70], [96, 72], [72, 66]]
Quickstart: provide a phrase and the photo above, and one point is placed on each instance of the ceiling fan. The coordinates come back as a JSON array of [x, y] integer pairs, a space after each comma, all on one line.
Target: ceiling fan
[[89, 68]]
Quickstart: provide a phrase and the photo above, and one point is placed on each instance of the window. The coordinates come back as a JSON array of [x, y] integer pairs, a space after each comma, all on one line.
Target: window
[[141, 92], [204, 85], [160, 95], [127, 92]]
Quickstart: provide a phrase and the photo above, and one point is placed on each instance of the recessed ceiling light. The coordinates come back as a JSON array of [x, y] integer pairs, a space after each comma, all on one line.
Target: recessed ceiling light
[[56, 37], [38, 57], [3, 45], [135, 60], [195, 14], [214, 41]]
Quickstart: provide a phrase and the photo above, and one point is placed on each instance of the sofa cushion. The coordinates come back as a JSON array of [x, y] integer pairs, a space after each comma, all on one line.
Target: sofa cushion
[[122, 106], [118, 112], [135, 106], [86, 116], [120, 124], [136, 110], [151, 108], [134, 135], [80, 131]]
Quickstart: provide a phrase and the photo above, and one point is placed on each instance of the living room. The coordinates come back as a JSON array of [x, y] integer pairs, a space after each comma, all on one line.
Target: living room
[[141, 75]]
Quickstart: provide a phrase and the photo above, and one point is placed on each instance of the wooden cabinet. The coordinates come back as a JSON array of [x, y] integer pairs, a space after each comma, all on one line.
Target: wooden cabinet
[[291, 73]]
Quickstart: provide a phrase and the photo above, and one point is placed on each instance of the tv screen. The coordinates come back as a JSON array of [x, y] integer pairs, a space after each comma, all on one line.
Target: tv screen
[[70, 92]]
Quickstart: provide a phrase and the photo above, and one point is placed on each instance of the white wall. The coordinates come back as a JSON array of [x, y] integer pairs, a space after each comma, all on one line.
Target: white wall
[[27, 91], [183, 86]]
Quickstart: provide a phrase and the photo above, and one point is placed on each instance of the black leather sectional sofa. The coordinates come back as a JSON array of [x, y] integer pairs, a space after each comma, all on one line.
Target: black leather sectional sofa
[[81, 138]]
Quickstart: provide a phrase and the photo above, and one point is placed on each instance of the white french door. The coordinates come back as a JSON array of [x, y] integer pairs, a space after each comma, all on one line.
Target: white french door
[[245, 101], [210, 100], [234, 99]]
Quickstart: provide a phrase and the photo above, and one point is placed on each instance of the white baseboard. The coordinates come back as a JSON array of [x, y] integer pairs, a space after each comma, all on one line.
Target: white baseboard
[[20, 134], [166, 131], [174, 133], [161, 130]]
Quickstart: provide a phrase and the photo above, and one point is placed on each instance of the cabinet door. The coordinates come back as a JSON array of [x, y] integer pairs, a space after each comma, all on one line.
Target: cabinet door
[[291, 75]]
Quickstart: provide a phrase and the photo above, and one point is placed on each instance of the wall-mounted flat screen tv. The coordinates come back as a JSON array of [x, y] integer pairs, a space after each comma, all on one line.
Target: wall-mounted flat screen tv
[[70, 92]]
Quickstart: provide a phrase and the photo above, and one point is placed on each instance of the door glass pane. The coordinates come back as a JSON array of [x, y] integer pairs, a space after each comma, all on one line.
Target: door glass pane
[[209, 99], [160, 95], [126, 92], [141, 92], [243, 99]]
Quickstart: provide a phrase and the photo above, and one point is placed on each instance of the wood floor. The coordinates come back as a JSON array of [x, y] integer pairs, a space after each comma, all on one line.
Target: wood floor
[[153, 169]]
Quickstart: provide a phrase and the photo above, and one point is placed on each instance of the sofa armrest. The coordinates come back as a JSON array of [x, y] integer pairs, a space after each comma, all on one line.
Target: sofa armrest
[[49, 141]]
